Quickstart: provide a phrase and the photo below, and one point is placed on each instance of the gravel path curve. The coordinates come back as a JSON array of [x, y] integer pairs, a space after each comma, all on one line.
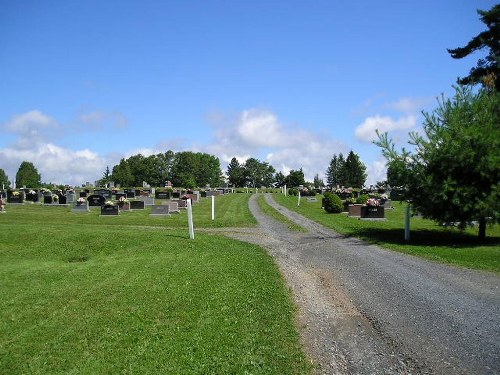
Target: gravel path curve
[[366, 310]]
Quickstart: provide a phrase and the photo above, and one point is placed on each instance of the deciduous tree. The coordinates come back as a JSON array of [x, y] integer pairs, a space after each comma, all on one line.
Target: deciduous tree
[[27, 175]]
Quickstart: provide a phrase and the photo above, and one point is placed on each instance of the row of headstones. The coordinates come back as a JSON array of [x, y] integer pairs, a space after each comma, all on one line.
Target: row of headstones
[[156, 209]]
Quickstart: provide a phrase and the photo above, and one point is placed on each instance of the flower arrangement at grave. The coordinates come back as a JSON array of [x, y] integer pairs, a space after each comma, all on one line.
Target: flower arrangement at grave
[[123, 201], [55, 198], [80, 201], [15, 193], [372, 202], [185, 197], [109, 204]]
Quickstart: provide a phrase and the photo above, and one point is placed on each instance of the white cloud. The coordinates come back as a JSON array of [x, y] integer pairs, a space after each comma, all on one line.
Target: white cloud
[[259, 133], [409, 105], [261, 129], [367, 130], [376, 171], [56, 164], [32, 128], [98, 119]]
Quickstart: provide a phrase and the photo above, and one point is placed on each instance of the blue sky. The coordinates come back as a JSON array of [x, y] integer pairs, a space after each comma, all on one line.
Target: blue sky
[[86, 83]]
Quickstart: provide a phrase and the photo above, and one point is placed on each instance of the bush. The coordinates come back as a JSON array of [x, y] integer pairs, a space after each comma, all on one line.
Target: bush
[[362, 199], [332, 203], [293, 191]]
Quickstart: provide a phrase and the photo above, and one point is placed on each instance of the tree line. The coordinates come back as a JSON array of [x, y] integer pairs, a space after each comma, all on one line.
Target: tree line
[[189, 169]]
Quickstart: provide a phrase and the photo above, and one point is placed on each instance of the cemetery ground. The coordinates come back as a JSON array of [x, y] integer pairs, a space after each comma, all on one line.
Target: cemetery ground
[[132, 294]]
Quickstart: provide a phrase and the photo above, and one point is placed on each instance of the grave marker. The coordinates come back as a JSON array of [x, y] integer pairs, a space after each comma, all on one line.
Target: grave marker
[[160, 210]]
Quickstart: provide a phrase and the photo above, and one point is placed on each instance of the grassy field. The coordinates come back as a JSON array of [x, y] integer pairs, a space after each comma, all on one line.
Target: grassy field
[[428, 240], [132, 294], [268, 210]]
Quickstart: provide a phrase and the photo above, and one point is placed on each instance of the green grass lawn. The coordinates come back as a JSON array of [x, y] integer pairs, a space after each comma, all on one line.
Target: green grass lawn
[[270, 211], [132, 294], [428, 239]]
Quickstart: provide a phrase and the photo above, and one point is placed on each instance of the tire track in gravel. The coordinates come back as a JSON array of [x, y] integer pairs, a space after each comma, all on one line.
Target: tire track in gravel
[[365, 310]]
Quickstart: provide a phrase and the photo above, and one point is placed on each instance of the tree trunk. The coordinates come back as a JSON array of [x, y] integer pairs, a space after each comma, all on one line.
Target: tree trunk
[[482, 228]]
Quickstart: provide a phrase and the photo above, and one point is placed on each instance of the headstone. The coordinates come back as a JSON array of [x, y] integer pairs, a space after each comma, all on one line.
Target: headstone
[[83, 194], [15, 197], [70, 196], [130, 194], [182, 203], [80, 207], [355, 210], [162, 194], [160, 210], [62, 199], [96, 200], [137, 205], [106, 193], [32, 195], [174, 207], [108, 210], [148, 201]]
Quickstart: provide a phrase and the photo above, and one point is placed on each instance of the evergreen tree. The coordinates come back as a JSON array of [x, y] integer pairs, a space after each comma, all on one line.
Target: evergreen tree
[[295, 178], [335, 171], [27, 175], [235, 173], [4, 180], [318, 182], [487, 69], [280, 179], [453, 175], [354, 171]]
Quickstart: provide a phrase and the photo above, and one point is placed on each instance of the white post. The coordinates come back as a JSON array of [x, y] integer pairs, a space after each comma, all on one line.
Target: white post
[[190, 219], [298, 202], [407, 223], [285, 190], [213, 207]]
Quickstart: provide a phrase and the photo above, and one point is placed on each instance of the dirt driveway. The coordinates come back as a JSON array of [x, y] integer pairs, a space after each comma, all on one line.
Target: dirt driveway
[[365, 310]]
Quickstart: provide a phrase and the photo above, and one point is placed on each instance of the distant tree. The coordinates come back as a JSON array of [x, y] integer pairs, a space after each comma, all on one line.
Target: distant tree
[[295, 178], [236, 173], [122, 174], [453, 174], [354, 171], [191, 170], [280, 179], [106, 177], [489, 68], [4, 180], [258, 173], [318, 182], [27, 175], [334, 173]]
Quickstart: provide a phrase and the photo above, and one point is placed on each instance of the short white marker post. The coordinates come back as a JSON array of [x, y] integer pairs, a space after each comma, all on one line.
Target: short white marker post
[[190, 219], [285, 190], [407, 223], [213, 207], [298, 202]]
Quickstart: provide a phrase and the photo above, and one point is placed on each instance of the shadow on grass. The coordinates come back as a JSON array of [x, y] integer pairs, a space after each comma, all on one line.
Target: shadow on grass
[[425, 237]]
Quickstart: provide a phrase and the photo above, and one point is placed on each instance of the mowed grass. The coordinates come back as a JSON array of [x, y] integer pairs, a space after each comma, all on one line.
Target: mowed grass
[[85, 294], [428, 239], [270, 211]]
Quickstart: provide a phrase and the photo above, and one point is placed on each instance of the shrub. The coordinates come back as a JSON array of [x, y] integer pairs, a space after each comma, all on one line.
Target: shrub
[[293, 191], [362, 199], [332, 203]]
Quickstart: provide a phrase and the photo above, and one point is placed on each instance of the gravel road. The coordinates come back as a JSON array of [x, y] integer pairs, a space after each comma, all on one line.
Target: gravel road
[[365, 310]]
